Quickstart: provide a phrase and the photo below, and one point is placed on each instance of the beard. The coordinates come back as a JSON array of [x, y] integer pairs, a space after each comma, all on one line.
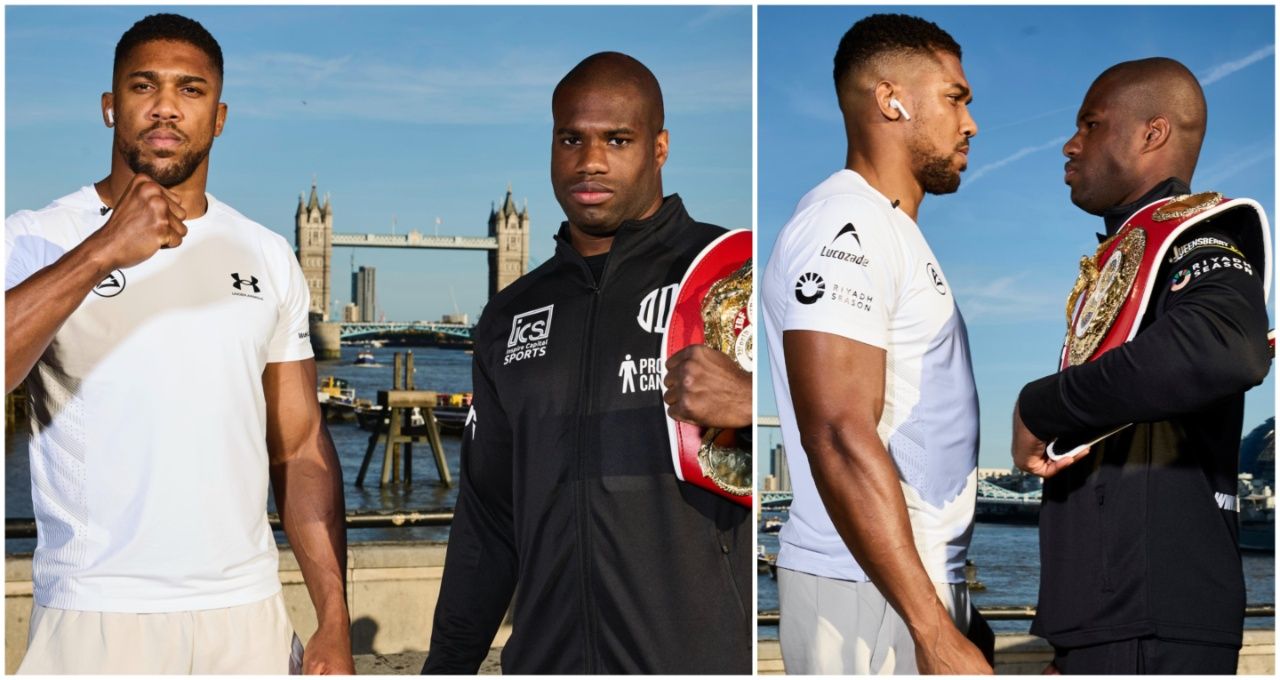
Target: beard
[[179, 168], [934, 170]]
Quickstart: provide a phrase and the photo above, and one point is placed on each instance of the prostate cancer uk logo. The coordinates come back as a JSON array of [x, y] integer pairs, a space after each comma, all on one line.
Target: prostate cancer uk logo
[[530, 333]]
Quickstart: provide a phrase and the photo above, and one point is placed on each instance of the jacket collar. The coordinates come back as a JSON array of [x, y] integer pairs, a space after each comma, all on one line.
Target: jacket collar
[[631, 232], [1114, 218]]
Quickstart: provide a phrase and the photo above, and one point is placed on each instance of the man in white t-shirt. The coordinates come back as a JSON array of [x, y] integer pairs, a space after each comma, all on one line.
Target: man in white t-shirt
[[163, 338], [874, 383]]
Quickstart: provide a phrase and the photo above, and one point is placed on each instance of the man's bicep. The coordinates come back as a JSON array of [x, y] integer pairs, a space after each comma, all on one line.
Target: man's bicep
[[293, 411], [833, 379]]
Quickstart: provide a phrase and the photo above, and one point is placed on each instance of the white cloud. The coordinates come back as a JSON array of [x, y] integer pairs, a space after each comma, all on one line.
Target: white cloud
[[1009, 297], [1233, 164]]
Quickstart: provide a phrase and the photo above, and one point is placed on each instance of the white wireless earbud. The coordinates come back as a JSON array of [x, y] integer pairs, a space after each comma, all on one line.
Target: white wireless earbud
[[895, 104], [111, 116]]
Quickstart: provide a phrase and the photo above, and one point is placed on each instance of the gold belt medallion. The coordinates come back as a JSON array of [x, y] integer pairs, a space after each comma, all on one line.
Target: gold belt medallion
[[1105, 290], [728, 324], [1186, 205]]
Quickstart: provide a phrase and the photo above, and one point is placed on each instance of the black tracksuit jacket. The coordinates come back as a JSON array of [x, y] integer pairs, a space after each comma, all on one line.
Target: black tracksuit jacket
[[568, 494], [1133, 542]]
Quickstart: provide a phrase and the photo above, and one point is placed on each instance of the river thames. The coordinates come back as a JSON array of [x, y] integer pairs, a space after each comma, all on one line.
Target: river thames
[[1008, 560], [443, 370]]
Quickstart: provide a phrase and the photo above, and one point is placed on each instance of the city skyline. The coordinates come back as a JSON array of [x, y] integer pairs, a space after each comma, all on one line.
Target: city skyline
[[420, 117]]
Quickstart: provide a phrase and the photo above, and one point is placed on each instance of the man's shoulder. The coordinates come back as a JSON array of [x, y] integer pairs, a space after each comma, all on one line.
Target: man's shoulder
[[63, 212], [230, 218], [838, 212], [840, 198], [528, 291]]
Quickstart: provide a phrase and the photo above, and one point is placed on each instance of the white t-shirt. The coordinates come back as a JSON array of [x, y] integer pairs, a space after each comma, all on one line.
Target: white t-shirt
[[148, 446], [850, 264]]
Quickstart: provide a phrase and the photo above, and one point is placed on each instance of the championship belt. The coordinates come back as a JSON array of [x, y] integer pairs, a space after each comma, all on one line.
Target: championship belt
[[1112, 293], [714, 306]]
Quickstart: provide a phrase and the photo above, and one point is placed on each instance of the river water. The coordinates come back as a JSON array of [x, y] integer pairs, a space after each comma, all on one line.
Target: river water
[[443, 370], [1008, 560]]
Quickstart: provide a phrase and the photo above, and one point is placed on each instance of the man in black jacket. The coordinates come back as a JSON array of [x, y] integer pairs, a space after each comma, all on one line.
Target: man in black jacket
[[569, 499], [1140, 562]]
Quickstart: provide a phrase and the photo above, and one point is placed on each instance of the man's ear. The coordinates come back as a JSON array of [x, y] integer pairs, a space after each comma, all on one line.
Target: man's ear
[[108, 109], [220, 119], [885, 92], [661, 147], [1156, 134]]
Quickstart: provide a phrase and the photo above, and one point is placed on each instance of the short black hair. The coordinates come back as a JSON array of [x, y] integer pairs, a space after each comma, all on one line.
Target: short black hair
[[173, 27], [880, 34]]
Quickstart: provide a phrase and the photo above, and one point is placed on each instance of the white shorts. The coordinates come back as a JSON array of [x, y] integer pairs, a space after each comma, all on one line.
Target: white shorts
[[834, 627], [254, 638]]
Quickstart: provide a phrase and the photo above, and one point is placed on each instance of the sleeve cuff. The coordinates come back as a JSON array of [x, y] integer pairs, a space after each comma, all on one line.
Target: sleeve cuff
[[1040, 405]]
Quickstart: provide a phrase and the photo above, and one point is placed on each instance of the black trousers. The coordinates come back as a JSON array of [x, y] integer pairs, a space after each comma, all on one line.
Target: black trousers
[[1147, 656]]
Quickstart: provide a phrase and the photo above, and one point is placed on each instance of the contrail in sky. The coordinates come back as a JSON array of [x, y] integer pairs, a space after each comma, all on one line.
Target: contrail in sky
[[1214, 75], [1223, 70], [1015, 156]]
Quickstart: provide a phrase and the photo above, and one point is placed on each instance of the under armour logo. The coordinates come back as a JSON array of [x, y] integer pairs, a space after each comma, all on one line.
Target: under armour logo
[[252, 281]]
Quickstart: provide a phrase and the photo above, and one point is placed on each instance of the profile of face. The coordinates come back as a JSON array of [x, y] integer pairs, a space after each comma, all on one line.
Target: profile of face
[[940, 124], [1099, 168], [165, 109], [606, 156]]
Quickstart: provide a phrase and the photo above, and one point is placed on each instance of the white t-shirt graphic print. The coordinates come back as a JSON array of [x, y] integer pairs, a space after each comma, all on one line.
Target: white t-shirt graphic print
[[850, 264]]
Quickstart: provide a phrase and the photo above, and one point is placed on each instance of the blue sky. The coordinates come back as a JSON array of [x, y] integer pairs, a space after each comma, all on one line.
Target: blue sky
[[1009, 240], [415, 113]]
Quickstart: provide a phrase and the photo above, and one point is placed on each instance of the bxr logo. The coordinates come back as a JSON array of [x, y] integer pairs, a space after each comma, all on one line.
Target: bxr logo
[[656, 309], [252, 281]]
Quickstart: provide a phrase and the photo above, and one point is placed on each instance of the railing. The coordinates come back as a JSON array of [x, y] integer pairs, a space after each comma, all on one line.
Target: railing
[[415, 239], [25, 527], [1021, 613]]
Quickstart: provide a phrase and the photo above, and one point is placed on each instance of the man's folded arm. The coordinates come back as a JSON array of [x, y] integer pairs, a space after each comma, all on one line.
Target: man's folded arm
[[480, 566], [1210, 343]]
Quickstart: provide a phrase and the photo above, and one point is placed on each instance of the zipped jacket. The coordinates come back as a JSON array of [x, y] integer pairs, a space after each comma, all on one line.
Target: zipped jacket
[[1140, 538], [568, 496]]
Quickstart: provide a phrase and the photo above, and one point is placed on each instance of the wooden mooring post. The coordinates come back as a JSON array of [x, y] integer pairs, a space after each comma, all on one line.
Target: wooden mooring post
[[400, 402]]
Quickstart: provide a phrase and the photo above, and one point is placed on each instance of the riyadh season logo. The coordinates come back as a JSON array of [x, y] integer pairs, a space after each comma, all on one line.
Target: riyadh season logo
[[809, 288], [530, 333], [1185, 276], [656, 309]]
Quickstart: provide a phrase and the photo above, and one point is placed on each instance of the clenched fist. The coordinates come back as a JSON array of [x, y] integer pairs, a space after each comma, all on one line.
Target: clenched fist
[[146, 218], [707, 388]]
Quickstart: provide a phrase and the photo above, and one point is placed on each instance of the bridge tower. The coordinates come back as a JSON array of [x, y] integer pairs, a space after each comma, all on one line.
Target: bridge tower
[[511, 228], [313, 223]]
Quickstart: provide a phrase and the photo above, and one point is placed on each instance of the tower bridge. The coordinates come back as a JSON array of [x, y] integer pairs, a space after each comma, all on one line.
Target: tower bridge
[[507, 246], [356, 330]]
